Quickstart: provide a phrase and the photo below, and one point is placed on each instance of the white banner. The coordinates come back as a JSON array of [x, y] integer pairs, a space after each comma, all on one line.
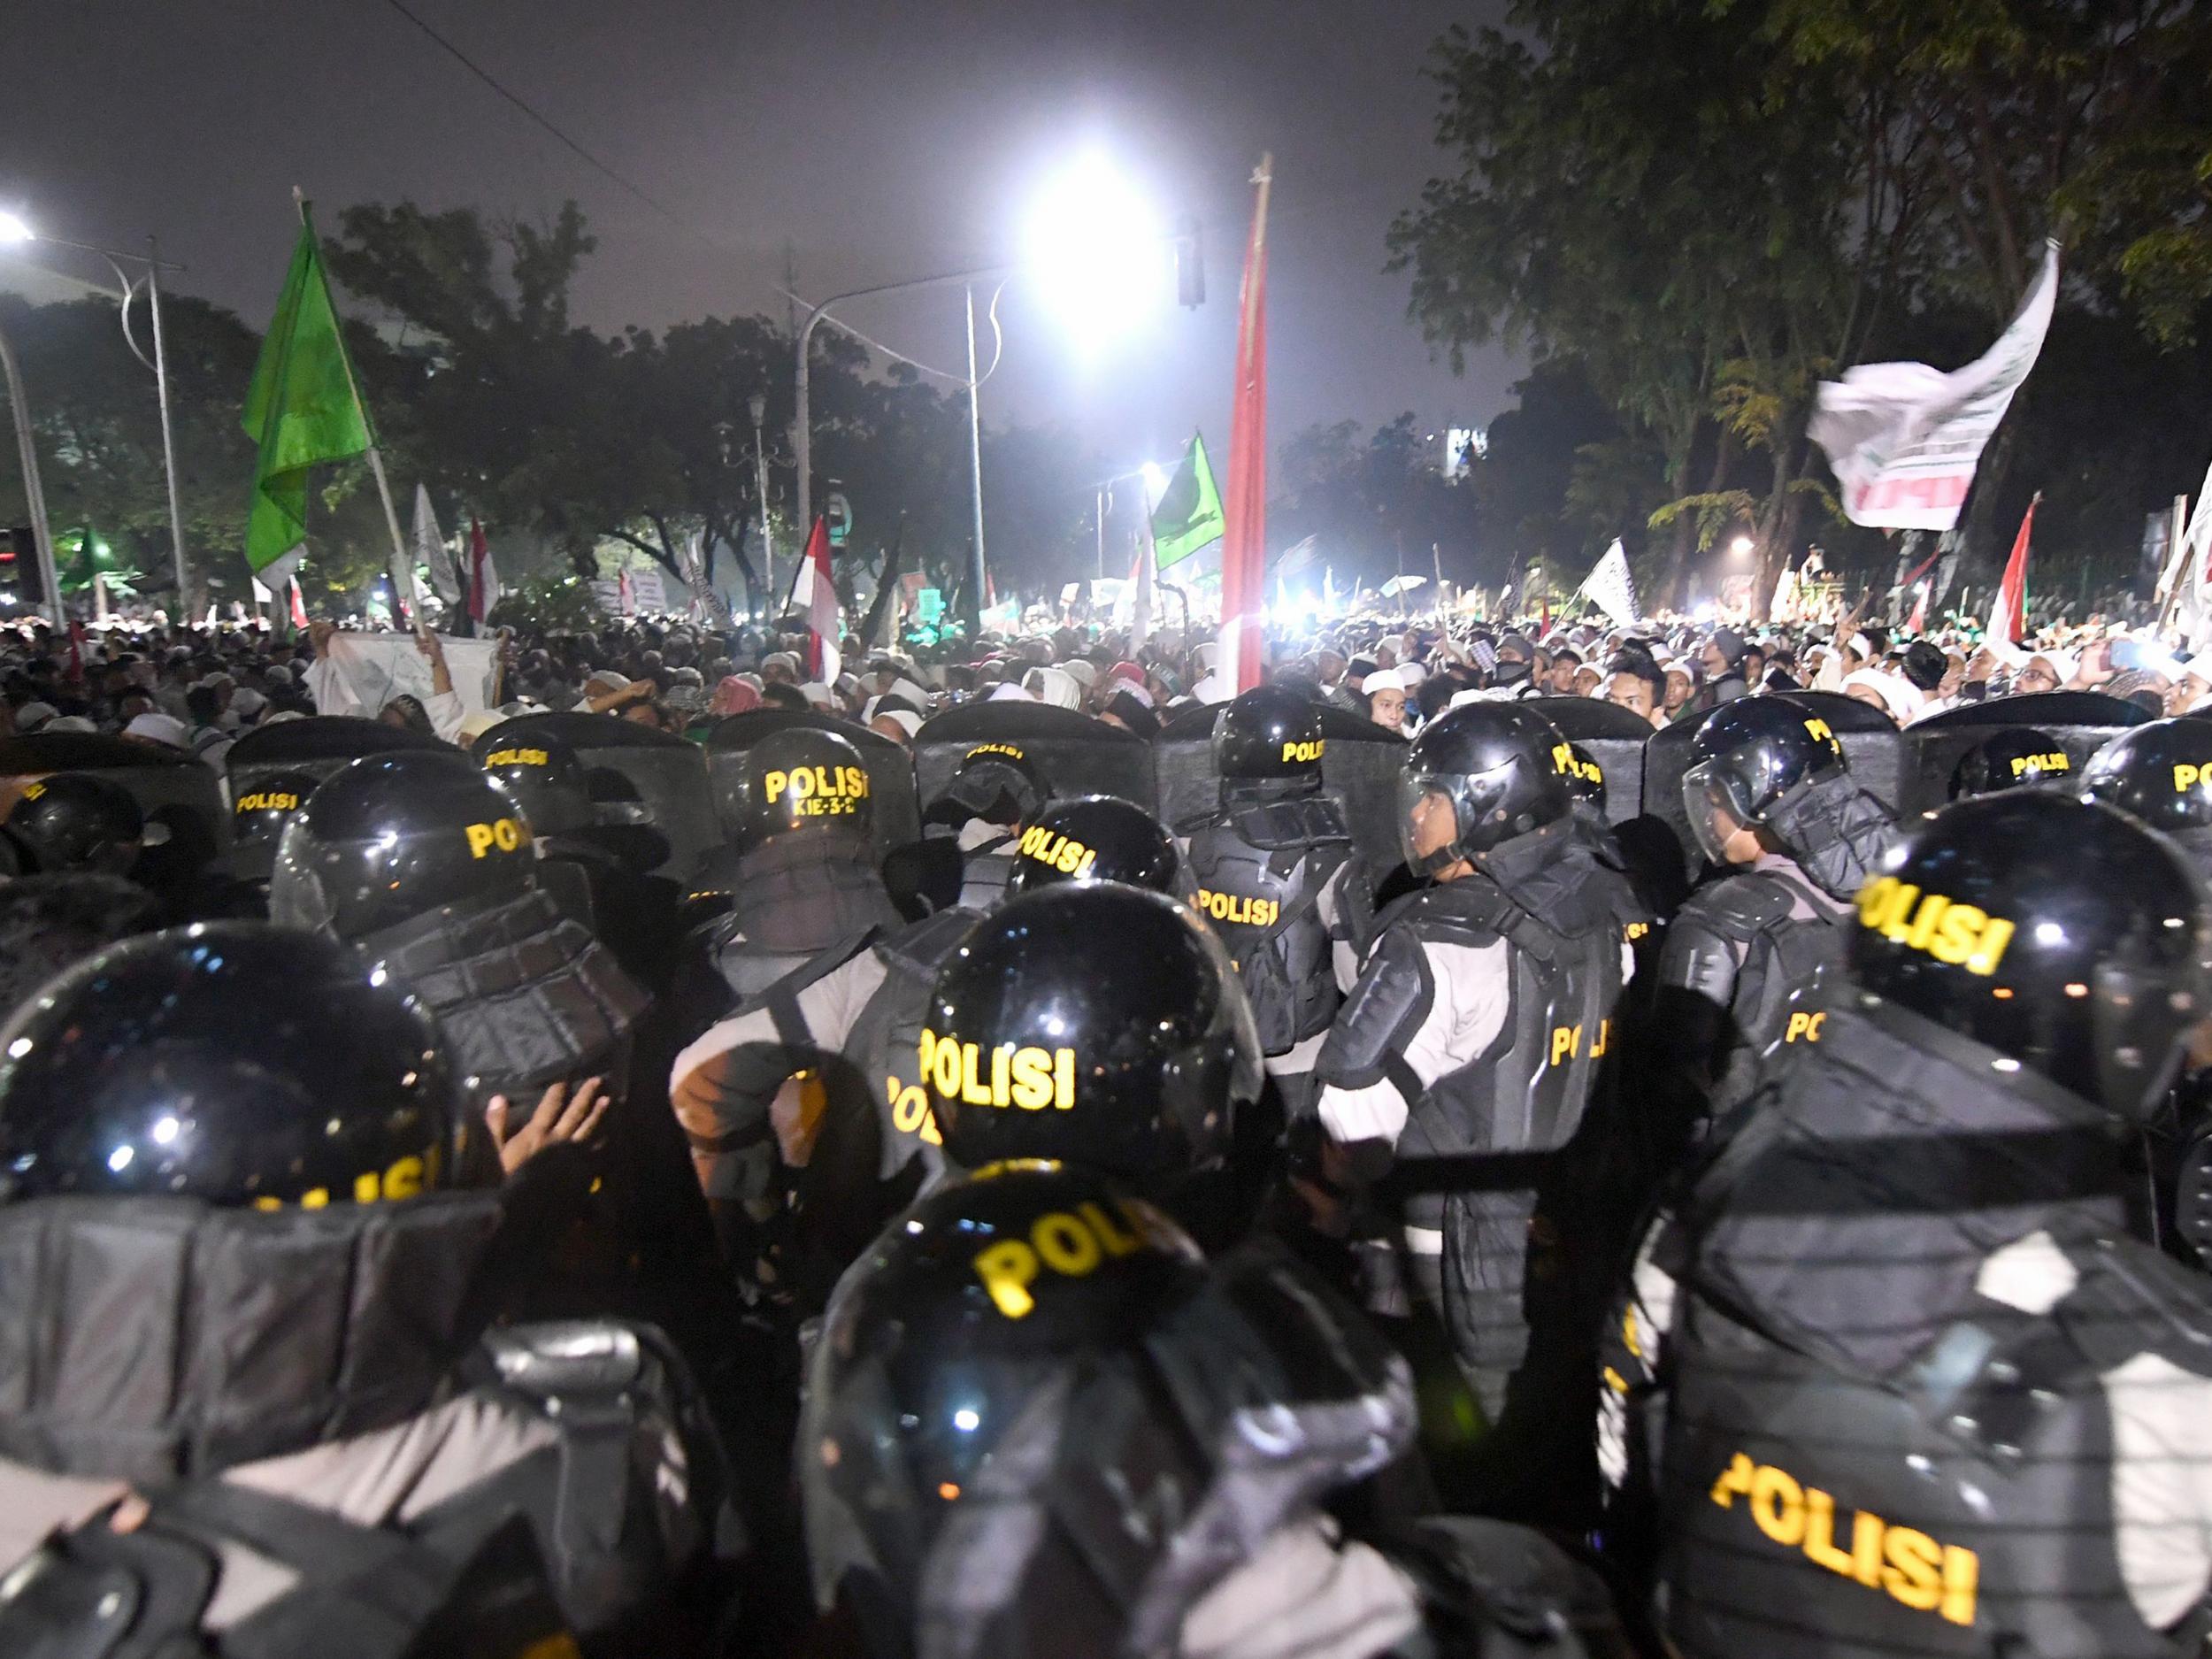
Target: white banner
[[1610, 588], [1904, 439], [374, 668], [650, 590], [431, 552]]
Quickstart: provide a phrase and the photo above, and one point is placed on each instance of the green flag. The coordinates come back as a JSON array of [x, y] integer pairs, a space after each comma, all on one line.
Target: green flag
[[301, 408], [1189, 514]]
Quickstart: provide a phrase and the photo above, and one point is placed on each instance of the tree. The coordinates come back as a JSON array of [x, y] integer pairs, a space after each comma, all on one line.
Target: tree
[[98, 426]]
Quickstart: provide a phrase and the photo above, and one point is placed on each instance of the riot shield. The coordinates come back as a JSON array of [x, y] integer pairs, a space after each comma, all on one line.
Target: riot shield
[[1873, 748], [1613, 736], [669, 774], [890, 773], [318, 746], [2082, 721], [1071, 752], [1360, 765], [172, 788]]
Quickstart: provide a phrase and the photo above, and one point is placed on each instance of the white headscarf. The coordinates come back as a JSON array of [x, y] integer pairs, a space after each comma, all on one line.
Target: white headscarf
[[1055, 686]]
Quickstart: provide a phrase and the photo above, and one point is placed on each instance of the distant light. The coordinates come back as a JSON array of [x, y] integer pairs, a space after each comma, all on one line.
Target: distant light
[[966, 1420], [2049, 933], [1155, 481], [1741, 547], [14, 229], [1098, 251], [20, 1046], [165, 1130], [119, 1159]]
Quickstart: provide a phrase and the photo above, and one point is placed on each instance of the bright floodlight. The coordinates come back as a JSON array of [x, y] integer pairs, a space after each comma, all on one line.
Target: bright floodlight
[[1155, 478], [1740, 546], [1097, 251], [13, 228]]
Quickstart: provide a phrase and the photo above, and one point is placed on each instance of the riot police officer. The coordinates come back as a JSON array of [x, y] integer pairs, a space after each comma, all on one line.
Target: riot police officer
[[970, 832], [259, 815], [1104, 1025], [1791, 837], [1270, 865], [594, 856], [1031, 1415], [2015, 757], [2160, 773], [857, 1028], [1473, 1054], [241, 1410], [417, 859], [72, 820], [1921, 1391]]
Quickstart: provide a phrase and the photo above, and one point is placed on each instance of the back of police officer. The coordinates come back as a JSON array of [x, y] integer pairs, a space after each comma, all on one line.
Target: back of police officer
[[970, 832], [253, 1401], [1475, 1055], [1033, 1426], [1268, 866], [2160, 774], [1791, 837], [420, 863], [1921, 1392]]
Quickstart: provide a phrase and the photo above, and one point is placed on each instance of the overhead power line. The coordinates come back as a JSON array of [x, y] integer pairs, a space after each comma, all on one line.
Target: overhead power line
[[491, 80]]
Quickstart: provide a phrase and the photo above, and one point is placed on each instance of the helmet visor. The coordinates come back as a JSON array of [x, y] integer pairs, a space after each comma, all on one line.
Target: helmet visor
[[1712, 800]]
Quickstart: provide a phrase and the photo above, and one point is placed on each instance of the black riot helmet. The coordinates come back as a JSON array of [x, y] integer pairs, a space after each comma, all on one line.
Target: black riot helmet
[[995, 782], [395, 836], [1093, 838], [1096, 1023], [1269, 732], [545, 777], [959, 1339], [72, 820], [237, 1063], [2017, 758], [802, 778], [2159, 774], [259, 815], [1749, 757], [2058, 933], [1504, 769], [1585, 782]]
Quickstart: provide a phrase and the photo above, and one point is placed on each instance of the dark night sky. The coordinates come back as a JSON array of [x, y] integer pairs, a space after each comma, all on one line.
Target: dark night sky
[[879, 139]]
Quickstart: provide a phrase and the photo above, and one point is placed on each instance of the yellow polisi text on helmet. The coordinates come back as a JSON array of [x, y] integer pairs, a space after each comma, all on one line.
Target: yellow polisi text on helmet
[[2057, 760], [1962, 935], [1070, 1242], [1029, 1078], [516, 757], [268, 800], [994, 748], [2187, 776], [1912, 1567], [1239, 908], [1309, 750], [1568, 764], [1069, 857], [816, 791], [506, 834]]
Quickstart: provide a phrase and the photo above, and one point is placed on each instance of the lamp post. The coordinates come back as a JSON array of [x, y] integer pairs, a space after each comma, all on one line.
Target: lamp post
[[758, 404], [14, 230], [34, 497]]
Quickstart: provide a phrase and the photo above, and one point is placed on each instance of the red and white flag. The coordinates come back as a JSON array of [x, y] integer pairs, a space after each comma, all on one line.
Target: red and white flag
[[813, 592], [483, 579], [1244, 504], [299, 606], [2009, 620]]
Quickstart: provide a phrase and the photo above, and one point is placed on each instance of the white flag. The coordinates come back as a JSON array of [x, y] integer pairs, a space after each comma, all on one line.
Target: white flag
[[1140, 616], [1784, 607], [1609, 587], [1904, 439], [430, 551]]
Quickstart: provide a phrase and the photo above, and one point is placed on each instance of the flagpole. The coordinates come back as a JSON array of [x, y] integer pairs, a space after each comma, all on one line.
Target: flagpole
[[402, 567]]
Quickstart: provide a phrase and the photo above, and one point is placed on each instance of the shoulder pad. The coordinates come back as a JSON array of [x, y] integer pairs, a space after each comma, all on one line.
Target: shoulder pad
[[1737, 906], [2139, 1300], [1442, 910], [1314, 821], [594, 1358]]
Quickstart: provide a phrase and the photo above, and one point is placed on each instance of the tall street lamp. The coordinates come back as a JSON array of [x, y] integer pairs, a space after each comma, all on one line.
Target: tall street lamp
[[33, 495], [757, 404], [13, 230]]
